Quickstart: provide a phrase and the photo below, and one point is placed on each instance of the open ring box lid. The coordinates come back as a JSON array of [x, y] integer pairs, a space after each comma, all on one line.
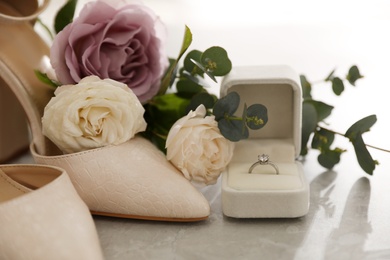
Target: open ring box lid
[[263, 194]]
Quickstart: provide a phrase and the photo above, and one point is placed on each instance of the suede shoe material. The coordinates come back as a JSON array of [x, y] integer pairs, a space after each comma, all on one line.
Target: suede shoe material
[[42, 216]]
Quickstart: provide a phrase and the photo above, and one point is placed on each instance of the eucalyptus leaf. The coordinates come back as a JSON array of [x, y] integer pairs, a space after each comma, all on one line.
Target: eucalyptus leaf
[[329, 158], [203, 98], [361, 126], [233, 130], [322, 139], [196, 79], [323, 110], [65, 15], [188, 87], [353, 75], [330, 76], [306, 87], [203, 69], [188, 64], [309, 124], [216, 60], [363, 155], [226, 105], [337, 86], [256, 116]]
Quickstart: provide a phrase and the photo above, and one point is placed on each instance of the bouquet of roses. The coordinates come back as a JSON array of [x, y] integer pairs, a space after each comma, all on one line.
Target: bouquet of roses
[[115, 80]]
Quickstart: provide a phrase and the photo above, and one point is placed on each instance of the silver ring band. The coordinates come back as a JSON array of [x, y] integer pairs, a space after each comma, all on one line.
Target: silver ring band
[[264, 160]]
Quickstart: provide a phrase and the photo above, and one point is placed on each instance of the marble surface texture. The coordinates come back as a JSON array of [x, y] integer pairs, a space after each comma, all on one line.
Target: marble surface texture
[[349, 210]]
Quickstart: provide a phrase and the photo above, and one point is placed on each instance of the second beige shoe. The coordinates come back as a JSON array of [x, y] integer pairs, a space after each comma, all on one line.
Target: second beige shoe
[[42, 216]]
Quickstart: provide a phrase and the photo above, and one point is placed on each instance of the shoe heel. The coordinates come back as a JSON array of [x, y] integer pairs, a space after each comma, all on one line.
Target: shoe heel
[[14, 134]]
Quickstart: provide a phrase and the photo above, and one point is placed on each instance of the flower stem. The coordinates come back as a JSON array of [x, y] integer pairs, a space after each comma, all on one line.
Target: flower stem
[[368, 145], [233, 118]]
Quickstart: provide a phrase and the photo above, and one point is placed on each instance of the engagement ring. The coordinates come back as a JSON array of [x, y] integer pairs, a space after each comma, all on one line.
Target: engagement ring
[[264, 160]]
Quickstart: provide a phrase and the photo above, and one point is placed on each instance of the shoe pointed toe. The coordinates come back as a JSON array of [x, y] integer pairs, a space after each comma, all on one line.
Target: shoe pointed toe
[[131, 180]]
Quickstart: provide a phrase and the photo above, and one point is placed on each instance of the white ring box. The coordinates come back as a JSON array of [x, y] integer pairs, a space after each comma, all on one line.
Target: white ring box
[[263, 194]]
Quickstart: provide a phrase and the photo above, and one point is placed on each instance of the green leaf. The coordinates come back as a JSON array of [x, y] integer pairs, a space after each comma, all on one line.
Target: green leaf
[[45, 79], [306, 87], [165, 110], [203, 69], [330, 76], [174, 68], [323, 110], [354, 134], [309, 124], [233, 130], [353, 75], [160, 114], [196, 79], [188, 88], [322, 139], [363, 155], [188, 64], [201, 98], [256, 116], [187, 40], [329, 158], [169, 76], [337, 86], [361, 126], [65, 15], [216, 61], [226, 105]]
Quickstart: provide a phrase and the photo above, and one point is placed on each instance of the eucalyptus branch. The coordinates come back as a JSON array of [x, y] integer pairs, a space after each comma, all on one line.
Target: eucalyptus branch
[[378, 148], [229, 118], [315, 112], [343, 135]]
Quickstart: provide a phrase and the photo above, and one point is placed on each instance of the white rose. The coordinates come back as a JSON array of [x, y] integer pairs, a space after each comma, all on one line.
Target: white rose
[[197, 148], [91, 114]]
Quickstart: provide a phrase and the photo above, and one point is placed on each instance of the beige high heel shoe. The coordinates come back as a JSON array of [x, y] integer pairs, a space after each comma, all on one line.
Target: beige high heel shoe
[[13, 127], [42, 216], [131, 180]]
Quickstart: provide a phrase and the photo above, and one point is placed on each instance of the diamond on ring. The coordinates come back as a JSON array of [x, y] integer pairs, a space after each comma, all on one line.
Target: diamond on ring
[[263, 159]]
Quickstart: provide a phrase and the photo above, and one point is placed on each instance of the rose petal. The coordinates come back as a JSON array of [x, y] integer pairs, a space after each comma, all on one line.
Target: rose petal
[[124, 43], [92, 114]]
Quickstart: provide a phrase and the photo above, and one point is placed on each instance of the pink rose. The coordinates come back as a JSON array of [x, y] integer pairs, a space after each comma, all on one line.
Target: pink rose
[[123, 44]]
